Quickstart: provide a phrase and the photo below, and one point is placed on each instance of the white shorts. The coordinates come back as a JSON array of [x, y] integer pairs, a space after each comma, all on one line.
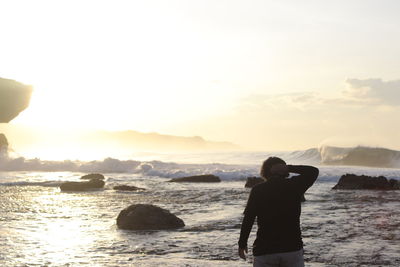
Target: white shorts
[[286, 259]]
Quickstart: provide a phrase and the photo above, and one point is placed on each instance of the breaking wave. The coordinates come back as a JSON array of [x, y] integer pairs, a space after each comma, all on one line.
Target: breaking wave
[[360, 156], [247, 163], [27, 183], [345, 156]]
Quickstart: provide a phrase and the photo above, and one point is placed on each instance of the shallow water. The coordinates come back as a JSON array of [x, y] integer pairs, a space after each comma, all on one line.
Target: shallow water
[[41, 226]]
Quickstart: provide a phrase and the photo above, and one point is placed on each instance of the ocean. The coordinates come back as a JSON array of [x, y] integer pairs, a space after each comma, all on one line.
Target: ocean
[[42, 226]]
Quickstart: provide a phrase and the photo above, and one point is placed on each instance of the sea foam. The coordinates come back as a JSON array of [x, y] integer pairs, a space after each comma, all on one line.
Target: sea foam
[[228, 166]]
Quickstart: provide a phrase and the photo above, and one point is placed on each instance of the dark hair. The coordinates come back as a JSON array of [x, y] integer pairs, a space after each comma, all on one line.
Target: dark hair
[[267, 164]]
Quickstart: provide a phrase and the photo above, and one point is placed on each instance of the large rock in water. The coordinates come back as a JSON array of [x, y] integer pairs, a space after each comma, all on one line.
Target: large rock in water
[[352, 181], [147, 217], [93, 176], [207, 178], [252, 181], [82, 186], [128, 188]]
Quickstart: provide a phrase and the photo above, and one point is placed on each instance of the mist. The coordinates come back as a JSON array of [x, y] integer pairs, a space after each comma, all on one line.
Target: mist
[[60, 144]]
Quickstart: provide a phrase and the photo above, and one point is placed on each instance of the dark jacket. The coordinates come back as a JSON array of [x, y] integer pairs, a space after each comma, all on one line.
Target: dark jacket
[[276, 204]]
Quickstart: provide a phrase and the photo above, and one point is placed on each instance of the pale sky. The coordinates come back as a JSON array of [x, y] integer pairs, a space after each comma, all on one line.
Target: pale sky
[[269, 75]]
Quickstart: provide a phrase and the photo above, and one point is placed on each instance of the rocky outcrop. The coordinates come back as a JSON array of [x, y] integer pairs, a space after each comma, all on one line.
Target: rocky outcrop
[[352, 181], [395, 184], [127, 188], [207, 178], [93, 176], [3, 140], [147, 217], [252, 181], [82, 186], [14, 98], [3, 146]]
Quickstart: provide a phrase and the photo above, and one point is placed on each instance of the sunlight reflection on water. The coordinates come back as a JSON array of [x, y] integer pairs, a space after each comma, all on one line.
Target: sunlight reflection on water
[[45, 227]]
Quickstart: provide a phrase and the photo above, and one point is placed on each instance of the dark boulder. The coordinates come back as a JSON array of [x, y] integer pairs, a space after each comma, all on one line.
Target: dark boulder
[[395, 184], [128, 188], [352, 181], [252, 181], [206, 178], [147, 217], [93, 176], [82, 186]]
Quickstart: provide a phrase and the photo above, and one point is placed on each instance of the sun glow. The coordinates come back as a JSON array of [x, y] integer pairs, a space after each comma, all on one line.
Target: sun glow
[[200, 67], [113, 68], [129, 65]]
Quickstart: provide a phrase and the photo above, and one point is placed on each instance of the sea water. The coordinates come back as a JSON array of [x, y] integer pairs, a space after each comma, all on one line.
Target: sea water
[[42, 226]]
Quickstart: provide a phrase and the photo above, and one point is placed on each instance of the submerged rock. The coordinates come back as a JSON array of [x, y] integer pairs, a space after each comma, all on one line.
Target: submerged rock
[[206, 178], [394, 184], [93, 176], [352, 181], [252, 181], [128, 188], [147, 217], [82, 186]]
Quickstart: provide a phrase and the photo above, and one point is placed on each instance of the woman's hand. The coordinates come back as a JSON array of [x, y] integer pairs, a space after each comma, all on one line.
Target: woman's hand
[[242, 253]]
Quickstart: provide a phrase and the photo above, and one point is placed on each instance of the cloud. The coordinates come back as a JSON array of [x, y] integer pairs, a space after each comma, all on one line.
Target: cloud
[[300, 100], [14, 98], [374, 91], [360, 93]]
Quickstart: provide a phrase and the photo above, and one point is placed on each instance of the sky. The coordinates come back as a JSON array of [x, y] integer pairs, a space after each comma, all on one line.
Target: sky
[[266, 75]]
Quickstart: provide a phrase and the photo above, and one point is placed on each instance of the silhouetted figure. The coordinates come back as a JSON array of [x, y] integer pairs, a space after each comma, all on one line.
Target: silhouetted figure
[[276, 204]]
